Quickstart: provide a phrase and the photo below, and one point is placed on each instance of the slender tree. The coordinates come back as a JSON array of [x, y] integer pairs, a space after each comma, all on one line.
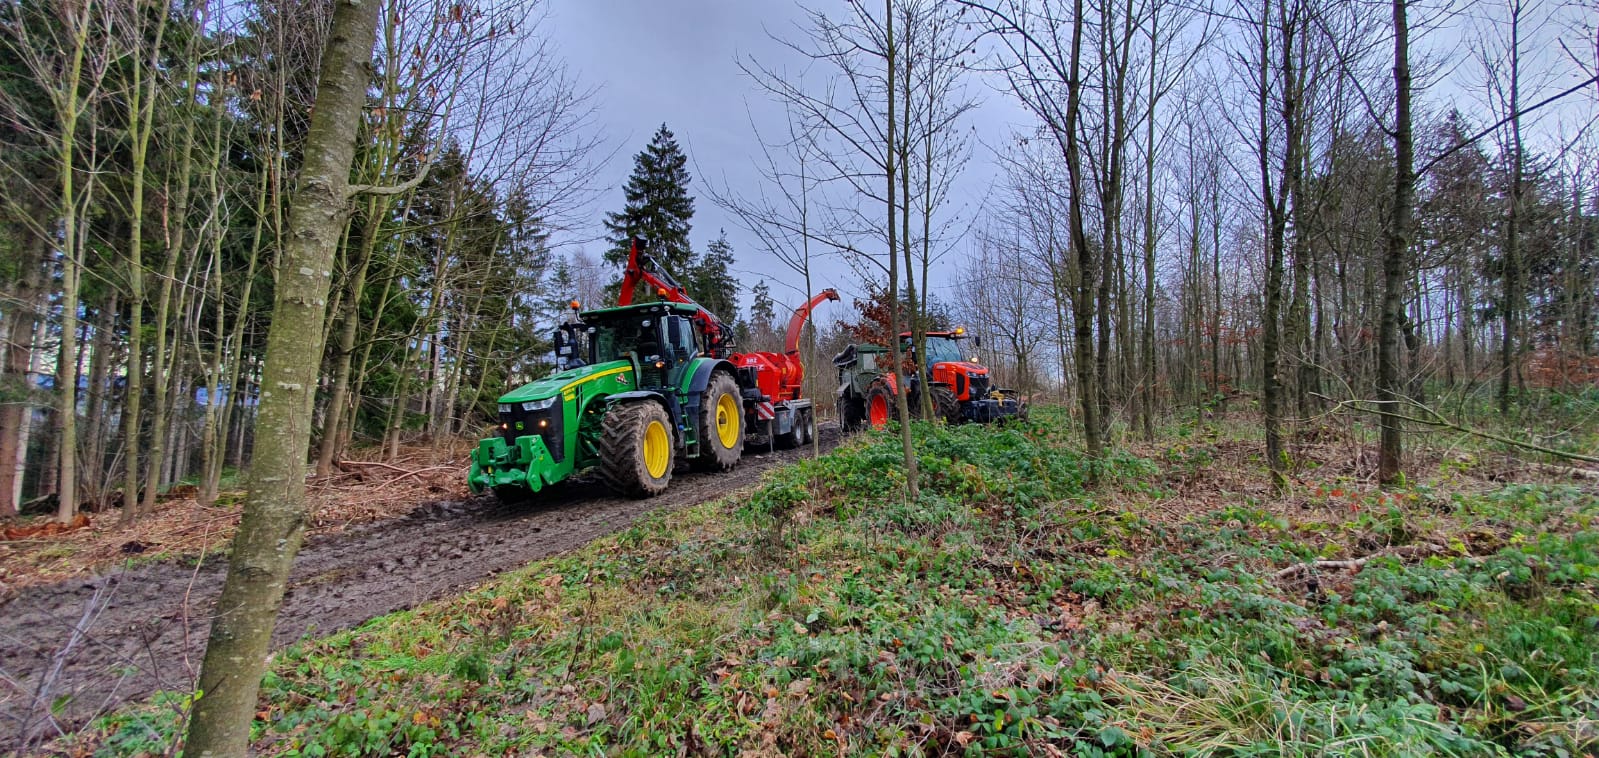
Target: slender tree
[[1395, 276], [274, 515]]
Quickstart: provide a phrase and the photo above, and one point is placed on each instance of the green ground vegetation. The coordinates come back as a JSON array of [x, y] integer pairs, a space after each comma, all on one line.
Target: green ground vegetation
[[1009, 611]]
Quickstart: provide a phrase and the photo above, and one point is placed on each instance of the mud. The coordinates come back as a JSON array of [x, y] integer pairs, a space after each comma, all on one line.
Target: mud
[[89, 645]]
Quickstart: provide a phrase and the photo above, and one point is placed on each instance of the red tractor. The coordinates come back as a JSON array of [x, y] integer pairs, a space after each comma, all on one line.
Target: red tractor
[[960, 389]]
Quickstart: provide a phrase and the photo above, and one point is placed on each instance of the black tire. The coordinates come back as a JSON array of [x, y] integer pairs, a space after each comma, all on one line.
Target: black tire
[[714, 455], [850, 415], [878, 397], [804, 428], [622, 459], [945, 406]]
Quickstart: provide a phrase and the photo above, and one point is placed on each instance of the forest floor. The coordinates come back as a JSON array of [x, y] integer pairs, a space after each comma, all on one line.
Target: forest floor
[[361, 491], [1178, 607], [120, 628]]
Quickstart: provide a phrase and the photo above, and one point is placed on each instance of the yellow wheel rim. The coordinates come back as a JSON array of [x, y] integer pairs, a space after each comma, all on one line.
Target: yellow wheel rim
[[657, 449], [727, 421]]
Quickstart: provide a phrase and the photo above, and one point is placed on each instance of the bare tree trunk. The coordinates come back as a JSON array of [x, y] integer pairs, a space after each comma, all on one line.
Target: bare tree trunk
[[332, 434], [18, 351], [71, 262], [96, 474], [901, 402], [1511, 307], [1277, 224], [1146, 369], [274, 515], [1389, 463]]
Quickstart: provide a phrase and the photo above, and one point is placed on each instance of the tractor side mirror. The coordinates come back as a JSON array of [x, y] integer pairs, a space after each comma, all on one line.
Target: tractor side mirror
[[977, 339], [568, 348]]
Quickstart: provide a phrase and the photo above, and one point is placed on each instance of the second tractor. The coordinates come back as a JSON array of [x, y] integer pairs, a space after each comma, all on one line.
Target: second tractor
[[960, 389]]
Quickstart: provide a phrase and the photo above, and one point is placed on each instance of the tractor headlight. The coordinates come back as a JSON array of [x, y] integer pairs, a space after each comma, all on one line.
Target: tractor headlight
[[504, 408], [539, 405]]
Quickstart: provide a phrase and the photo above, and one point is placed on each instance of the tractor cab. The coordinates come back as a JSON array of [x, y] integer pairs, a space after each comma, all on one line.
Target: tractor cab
[[946, 365], [658, 338]]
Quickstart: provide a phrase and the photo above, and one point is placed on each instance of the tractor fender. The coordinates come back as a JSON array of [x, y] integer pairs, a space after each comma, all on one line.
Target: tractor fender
[[669, 404], [702, 376], [638, 395]]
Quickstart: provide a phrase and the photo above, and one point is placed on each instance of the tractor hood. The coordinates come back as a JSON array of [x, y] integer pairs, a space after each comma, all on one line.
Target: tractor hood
[[964, 367], [552, 385]]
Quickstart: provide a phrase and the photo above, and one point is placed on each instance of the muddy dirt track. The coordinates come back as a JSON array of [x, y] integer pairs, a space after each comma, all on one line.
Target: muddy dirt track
[[145, 628]]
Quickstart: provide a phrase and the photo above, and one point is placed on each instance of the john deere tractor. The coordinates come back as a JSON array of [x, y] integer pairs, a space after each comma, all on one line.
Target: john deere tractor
[[960, 389], [639, 389]]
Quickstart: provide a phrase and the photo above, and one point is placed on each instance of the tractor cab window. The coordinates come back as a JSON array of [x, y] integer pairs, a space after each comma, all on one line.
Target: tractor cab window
[[680, 334], [943, 350], [614, 341]]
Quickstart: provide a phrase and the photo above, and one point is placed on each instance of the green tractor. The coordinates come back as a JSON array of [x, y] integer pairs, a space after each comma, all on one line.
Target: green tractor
[[640, 387]]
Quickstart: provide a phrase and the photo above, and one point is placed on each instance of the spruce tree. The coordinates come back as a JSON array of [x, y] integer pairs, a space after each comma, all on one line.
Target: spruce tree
[[658, 207], [710, 282]]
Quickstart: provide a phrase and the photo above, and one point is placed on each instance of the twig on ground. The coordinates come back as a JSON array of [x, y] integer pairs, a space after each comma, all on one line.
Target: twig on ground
[[403, 477], [1580, 473], [379, 464], [1403, 551], [41, 701]]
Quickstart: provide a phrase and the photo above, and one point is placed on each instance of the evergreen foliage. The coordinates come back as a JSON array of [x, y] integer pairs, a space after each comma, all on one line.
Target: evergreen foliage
[[658, 207], [710, 280]]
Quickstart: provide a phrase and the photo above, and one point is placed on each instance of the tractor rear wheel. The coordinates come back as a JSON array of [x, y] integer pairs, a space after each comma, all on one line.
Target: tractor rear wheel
[[945, 406], [721, 425], [850, 415], [636, 450], [879, 405]]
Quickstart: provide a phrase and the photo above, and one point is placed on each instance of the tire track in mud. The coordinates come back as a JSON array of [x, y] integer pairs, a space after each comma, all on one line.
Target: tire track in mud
[[145, 628]]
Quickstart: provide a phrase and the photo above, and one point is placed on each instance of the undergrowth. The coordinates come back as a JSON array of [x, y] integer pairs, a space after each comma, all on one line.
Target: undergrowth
[[1008, 610]]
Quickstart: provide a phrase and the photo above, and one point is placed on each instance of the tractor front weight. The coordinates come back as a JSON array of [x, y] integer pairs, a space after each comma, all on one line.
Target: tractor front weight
[[527, 464]]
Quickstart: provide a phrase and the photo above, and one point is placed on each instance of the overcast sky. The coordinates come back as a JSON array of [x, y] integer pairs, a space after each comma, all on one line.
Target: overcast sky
[[676, 62]]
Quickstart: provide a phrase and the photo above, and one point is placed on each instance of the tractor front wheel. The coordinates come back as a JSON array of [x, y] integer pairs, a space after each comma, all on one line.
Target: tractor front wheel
[[945, 406], [879, 405], [636, 450], [721, 425]]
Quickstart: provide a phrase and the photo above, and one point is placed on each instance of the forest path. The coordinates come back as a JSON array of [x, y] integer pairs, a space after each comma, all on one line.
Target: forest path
[[129, 633]]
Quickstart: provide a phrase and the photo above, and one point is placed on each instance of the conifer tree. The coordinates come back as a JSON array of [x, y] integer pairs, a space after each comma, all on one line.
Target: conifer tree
[[658, 207], [710, 280]]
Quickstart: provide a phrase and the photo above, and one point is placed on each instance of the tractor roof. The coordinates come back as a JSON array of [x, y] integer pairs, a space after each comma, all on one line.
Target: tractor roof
[[958, 334], [678, 309]]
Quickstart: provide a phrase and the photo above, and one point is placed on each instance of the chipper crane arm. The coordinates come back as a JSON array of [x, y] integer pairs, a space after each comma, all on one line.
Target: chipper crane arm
[[642, 269]]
